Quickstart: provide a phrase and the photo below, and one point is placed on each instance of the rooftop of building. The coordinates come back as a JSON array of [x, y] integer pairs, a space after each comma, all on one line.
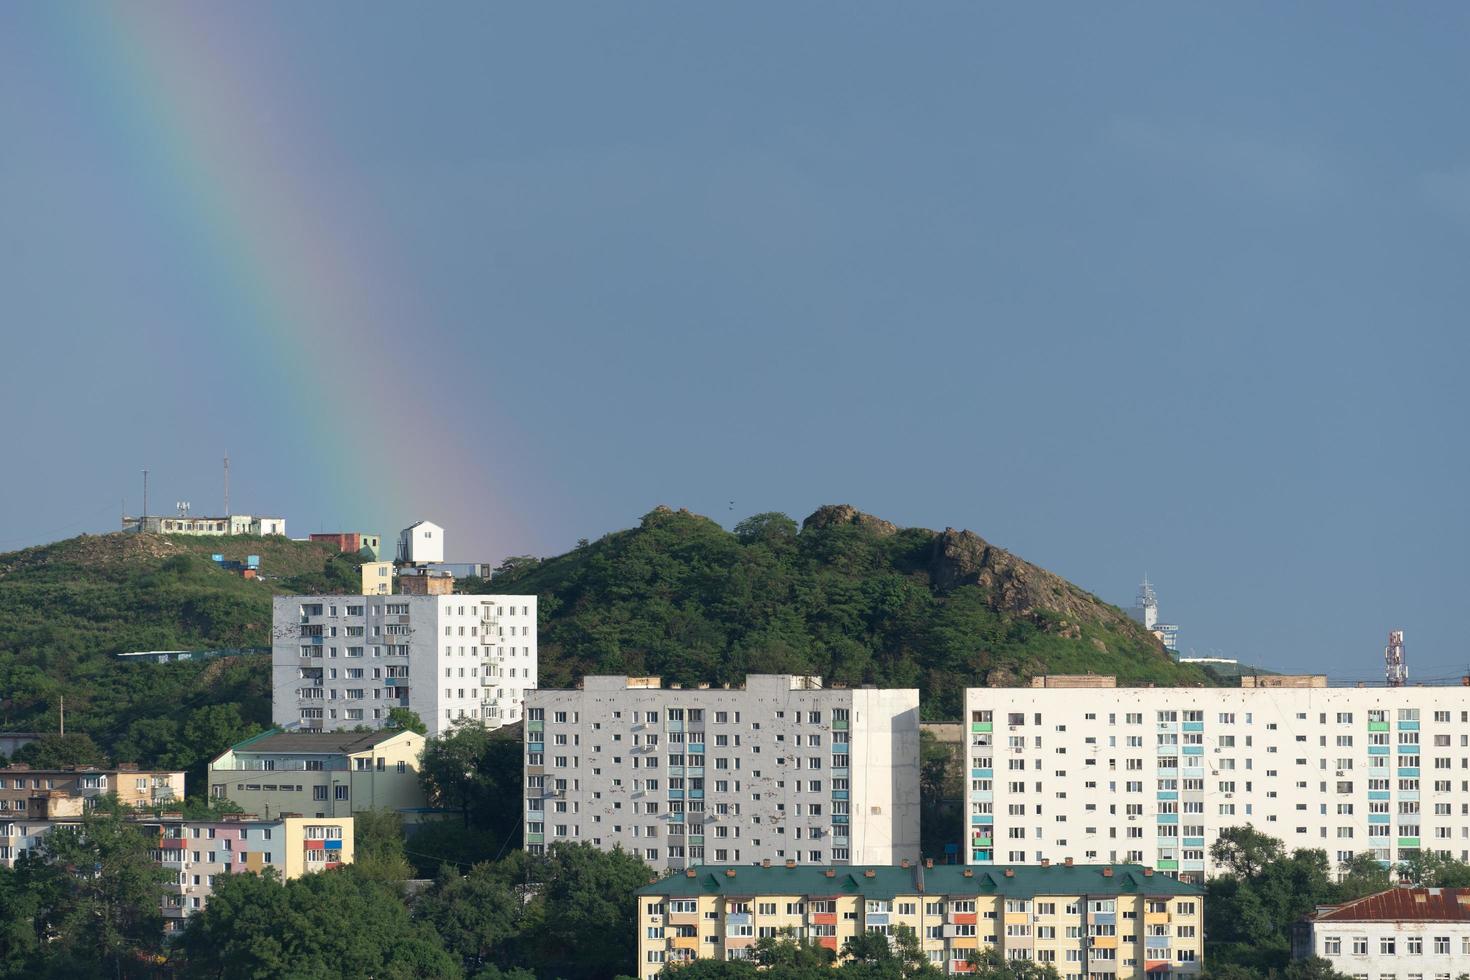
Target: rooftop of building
[[794, 682], [1402, 905], [889, 881], [277, 741], [1260, 682], [128, 767]]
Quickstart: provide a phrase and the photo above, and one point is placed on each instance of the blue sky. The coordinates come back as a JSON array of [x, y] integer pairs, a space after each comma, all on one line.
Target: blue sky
[[1167, 287]]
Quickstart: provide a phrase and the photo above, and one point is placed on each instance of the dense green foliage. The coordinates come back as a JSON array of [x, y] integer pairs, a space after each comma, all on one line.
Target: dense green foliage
[[68, 608], [86, 905], [477, 773], [339, 924], [1251, 906], [867, 956], [855, 601]]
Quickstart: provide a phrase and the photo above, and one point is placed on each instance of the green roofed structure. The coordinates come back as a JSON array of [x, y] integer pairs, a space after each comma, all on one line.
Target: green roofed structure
[[1122, 919]]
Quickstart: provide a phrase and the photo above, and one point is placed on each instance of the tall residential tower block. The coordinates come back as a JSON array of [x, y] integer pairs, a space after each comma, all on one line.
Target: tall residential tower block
[[1075, 768], [781, 769], [340, 661]]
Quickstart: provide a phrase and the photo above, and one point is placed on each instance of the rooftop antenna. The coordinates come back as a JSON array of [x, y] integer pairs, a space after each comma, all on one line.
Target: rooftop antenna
[[141, 525], [227, 484], [183, 506], [1394, 668]]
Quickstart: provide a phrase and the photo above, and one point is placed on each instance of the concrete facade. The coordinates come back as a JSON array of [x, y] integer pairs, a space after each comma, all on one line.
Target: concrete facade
[[377, 578], [234, 524], [352, 542], [421, 543], [1151, 775], [21, 785], [780, 769], [344, 661], [1095, 921], [195, 852], [323, 774], [1399, 934]]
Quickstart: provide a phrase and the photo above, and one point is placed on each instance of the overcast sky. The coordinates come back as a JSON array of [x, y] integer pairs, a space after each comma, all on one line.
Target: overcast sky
[[1176, 288]]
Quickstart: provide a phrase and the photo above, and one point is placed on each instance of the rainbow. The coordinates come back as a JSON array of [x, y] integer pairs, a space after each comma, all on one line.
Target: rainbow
[[308, 287]]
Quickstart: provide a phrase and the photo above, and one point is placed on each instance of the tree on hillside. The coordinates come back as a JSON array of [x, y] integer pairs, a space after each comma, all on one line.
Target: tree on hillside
[[1244, 851], [1251, 906], [332, 924], [585, 892], [989, 964], [477, 772], [104, 892], [378, 846], [1429, 869], [406, 718], [479, 916], [873, 956], [61, 752], [27, 891], [1362, 875]]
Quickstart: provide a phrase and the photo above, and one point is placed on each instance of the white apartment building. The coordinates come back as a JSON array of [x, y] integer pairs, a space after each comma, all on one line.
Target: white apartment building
[[1081, 769], [340, 661], [1398, 934], [781, 769]]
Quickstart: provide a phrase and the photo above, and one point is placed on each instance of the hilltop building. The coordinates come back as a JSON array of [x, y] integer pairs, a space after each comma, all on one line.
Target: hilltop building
[[377, 578], [781, 769], [352, 543], [345, 661], [421, 543], [1146, 611], [1075, 769], [189, 524], [323, 774], [1120, 921], [422, 581], [1414, 932]]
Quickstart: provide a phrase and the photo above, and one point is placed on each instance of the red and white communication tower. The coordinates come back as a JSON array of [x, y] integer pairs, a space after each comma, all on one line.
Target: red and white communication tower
[[1394, 667]]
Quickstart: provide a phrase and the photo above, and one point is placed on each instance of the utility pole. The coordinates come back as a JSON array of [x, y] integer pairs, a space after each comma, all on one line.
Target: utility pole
[[143, 523], [63, 714], [227, 484]]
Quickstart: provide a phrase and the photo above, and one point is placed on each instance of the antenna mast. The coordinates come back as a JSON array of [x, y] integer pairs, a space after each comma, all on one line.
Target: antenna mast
[[227, 484], [1394, 668], [143, 524]]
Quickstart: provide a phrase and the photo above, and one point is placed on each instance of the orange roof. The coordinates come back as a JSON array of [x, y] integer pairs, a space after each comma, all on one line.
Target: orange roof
[[1404, 904]]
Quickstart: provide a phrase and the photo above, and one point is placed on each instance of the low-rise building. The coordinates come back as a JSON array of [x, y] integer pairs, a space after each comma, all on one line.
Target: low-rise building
[[377, 578], [323, 774], [1120, 921], [778, 769], [20, 785], [352, 543], [422, 581], [196, 852], [1398, 934], [189, 524]]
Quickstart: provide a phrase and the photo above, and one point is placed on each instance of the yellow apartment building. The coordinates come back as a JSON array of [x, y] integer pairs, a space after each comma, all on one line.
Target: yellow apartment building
[[1090, 922]]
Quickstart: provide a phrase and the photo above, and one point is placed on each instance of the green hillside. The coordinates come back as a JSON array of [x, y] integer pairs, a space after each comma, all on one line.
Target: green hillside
[[847, 596], [67, 608]]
